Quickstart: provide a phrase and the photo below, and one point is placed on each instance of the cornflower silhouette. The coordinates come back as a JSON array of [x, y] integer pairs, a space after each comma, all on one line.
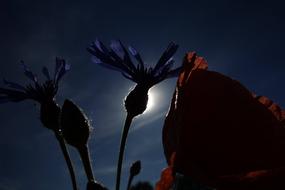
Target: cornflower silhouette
[[76, 130], [134, 171], [117, 58], [43, 93]]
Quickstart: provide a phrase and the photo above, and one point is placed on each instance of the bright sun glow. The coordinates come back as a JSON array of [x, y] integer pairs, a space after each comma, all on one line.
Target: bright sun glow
[[152, 100]]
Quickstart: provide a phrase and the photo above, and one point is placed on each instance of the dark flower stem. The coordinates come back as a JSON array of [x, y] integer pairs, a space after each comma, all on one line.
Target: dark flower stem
[[84, 154], [126, 128], [67, 159], [131, 177]]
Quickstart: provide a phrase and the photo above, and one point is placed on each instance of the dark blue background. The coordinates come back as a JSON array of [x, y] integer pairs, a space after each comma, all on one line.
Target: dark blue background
[[242, 39]]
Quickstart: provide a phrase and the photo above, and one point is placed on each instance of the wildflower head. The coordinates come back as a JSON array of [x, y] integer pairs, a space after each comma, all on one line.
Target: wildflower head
[[40, 92], [44, 93], [118, 58]]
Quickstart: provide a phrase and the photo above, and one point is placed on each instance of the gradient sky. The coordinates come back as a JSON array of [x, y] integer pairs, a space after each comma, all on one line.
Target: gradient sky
[[242, 39]]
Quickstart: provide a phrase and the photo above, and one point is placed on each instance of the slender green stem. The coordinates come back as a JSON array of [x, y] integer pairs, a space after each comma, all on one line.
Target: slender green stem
[[130, 182], [126, 128], [84, 154], [67, 159]]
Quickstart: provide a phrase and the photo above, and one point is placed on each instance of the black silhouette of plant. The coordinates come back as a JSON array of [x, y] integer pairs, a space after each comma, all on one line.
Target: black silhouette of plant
[[76, 131], [43, 93], [134, 170], [117, 58]]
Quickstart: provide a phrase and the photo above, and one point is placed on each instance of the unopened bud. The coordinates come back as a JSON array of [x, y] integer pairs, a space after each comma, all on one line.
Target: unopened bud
[[74, 124], [135, 168], [136, 101]]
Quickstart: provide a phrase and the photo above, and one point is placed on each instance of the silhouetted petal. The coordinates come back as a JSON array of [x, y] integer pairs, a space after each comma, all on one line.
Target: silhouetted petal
[[97, 61], [106, 58], [128, 76], [58, 64], [28, 72], [101, 46], [13, 85], [118, 58], [117, 48], [167, 54], [122, 62], [164, 70], [45, 91], [136, 55], [46, 73], [62, 69], [174, 72], [167, 66], [13, 95], [127, 59], [108, 66]]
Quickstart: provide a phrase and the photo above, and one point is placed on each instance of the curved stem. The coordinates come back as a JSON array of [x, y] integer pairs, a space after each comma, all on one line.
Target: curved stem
[[130, 182], [126, 128], [67, 159], [84, 154]]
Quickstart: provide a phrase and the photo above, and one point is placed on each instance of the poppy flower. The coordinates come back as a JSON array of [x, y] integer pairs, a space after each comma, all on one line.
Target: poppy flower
[[166, 180], [117, 58], [224, 136]]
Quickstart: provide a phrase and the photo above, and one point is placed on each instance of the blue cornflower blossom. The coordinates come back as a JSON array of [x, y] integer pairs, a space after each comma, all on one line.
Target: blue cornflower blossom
[[43, 93], [117, 58], [40, 92]]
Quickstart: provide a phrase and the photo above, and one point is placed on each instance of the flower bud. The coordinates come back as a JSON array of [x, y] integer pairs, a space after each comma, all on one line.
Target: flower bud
[[74, 124], [136, 101], [49, 115], [135, 168]]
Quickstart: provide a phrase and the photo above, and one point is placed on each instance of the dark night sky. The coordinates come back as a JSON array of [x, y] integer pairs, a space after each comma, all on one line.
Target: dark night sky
[[242, 39]]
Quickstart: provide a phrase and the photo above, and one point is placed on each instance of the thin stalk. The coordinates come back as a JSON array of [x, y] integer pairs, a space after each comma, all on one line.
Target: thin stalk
[[126, 128], [67, 159], [130, 182], [84, 154]]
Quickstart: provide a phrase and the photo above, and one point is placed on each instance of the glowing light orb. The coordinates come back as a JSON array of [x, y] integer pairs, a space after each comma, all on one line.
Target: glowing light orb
[[152, 100]]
